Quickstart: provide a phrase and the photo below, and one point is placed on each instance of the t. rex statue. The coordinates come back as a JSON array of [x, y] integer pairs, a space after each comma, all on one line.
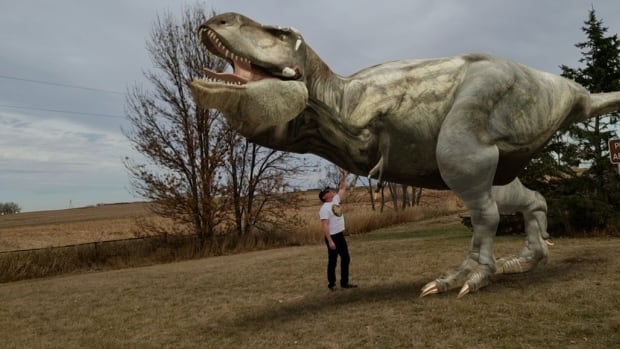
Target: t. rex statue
[[468, 123]]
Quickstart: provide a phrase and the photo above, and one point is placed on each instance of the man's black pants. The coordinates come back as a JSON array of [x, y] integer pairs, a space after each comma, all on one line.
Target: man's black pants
[[332, 258]]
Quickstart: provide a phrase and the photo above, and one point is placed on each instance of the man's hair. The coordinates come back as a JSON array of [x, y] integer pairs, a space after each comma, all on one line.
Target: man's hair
[[323, 192]]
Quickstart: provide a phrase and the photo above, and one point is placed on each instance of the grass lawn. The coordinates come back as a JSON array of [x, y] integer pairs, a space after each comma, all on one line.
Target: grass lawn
[[279, 299]]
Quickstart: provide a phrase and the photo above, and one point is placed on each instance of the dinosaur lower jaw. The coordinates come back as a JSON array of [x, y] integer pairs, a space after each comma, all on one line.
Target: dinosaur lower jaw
[[253, 107]]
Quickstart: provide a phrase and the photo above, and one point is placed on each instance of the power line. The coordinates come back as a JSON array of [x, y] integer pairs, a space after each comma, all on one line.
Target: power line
[[60, 84], [62, 111]]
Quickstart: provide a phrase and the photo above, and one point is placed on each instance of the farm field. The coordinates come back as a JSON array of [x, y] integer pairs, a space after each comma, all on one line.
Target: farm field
[[278, 299], [42, 229]]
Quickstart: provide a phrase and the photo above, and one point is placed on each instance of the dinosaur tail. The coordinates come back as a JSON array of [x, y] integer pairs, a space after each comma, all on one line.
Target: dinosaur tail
[[604, 103]]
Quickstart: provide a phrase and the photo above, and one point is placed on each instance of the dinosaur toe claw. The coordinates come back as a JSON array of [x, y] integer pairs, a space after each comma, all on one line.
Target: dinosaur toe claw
[[464, 291], [430, 288]]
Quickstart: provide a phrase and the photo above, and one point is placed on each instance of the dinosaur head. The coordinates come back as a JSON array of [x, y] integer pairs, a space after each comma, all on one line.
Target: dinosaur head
[[266, 87]]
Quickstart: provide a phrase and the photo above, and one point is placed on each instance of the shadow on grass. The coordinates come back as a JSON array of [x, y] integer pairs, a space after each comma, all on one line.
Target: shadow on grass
[[553, 273], [450, 232], [547, 276], [322, 301]]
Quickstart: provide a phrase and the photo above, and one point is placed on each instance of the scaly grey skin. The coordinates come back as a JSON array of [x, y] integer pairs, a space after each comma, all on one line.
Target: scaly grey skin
[[468, 123]]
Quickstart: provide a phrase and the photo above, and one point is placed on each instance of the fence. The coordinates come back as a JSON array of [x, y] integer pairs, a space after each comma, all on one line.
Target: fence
[[32, 263]]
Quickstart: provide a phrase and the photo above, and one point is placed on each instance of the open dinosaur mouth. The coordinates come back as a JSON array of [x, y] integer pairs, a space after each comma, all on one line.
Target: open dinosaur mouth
[[258, 94], [243, 69]]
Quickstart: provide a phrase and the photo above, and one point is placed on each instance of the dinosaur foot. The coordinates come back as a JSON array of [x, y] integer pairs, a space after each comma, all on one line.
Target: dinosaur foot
[[514, 265], [470, 280], [527, 261]]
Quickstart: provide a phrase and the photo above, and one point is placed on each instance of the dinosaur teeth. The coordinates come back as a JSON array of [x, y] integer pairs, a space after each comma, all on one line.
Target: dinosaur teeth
[[223, 51], [218, 43], [218, 81]]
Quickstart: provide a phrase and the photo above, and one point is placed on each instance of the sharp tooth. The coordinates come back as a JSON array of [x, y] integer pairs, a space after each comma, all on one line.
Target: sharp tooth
[[297, 44]]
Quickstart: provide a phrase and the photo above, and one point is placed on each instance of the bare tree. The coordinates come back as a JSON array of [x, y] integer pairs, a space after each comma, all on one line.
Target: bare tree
[[410, 199], [197, 170], [331, 177], [262, 197], [396, 190]]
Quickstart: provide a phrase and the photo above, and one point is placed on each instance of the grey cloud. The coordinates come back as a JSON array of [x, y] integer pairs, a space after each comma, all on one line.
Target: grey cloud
[[102, 45]]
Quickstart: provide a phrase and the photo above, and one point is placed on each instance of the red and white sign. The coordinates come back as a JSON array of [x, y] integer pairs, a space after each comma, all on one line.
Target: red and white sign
[[614, 151]]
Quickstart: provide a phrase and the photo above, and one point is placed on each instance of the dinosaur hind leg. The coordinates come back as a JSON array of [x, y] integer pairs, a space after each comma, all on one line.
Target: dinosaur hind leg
[[467, 159], [515, 197], [472, 181]]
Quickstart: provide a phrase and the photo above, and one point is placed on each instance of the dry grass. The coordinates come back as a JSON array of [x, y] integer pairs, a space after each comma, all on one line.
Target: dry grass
[[278, 299], [45, 229], [49, 243]]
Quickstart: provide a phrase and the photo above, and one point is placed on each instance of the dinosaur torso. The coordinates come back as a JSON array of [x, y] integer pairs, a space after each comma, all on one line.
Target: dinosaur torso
[[395, 111], [352, 121]]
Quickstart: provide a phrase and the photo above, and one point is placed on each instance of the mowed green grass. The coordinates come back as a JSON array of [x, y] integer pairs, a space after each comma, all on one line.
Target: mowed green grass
[[279, 299]]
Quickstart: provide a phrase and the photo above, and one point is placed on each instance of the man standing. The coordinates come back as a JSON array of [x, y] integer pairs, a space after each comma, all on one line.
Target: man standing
[[332, 222]]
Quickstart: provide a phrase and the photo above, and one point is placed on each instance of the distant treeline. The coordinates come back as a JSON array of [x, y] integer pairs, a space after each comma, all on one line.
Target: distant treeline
[[9, 208]]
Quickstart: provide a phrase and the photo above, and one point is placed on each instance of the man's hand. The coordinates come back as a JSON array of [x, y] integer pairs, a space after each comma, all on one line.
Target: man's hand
[[332, 245], [343, 183]]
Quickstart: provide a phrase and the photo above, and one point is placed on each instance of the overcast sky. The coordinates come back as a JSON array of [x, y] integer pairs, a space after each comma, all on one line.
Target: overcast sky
[[65, 66]]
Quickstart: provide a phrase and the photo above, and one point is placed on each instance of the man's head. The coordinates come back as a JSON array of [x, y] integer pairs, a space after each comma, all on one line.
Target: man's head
[[325, 194]]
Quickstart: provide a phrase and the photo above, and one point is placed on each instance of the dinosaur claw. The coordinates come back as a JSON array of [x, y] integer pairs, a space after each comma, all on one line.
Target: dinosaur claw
[[464, 291], [430, 288]]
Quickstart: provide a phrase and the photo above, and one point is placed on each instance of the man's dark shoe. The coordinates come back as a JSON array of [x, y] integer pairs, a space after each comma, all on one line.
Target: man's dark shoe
[[349, 286], [331, 287]]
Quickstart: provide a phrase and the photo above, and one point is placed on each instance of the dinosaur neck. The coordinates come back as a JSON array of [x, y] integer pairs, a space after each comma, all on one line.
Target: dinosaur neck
[[321, 128], [323, 85]]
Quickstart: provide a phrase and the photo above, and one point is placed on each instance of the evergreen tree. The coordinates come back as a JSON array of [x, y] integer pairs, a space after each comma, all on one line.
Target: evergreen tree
[[589, 198]]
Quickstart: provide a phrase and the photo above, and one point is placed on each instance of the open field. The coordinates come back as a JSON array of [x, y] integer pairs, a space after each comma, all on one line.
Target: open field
[[278, 299], [42, 229], [71, 226]]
